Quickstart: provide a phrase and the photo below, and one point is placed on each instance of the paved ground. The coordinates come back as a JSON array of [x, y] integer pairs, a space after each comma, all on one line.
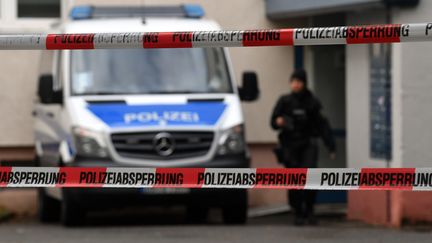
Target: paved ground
[[170, 226]]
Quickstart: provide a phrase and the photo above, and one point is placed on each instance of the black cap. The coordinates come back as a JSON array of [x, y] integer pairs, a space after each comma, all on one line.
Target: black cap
[[299, 74]]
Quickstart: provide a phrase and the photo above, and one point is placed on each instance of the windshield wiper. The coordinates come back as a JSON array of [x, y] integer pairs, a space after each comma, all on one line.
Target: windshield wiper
[[177, 92], [103, 93], [149, 92]]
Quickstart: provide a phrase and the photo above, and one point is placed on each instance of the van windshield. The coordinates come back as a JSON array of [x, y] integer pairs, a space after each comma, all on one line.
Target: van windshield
[[149, 71]]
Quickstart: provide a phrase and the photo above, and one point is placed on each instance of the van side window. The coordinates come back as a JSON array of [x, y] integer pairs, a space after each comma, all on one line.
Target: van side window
[[51, 63]]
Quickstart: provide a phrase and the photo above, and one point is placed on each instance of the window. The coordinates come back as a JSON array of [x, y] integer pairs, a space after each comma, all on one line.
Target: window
[[155, 71], [38, 8], [380, 101]]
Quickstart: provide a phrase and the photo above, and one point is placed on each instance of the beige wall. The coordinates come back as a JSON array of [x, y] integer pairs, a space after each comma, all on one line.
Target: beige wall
[[18, 72]]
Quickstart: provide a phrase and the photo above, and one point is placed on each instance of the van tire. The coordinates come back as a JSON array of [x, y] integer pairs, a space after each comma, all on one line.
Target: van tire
[[197, 214], [72, 214], [237, 212], [48, 207]]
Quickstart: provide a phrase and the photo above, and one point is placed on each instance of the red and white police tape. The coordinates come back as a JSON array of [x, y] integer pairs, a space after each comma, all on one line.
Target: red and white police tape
[[391, 33], [236, 178]]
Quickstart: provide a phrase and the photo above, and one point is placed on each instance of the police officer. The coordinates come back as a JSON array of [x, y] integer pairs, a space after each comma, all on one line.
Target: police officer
[[297, 116]]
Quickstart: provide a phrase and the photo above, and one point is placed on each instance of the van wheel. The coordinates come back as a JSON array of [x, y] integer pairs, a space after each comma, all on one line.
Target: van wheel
[[197, 214], [48, 207], [72, 214], [236, 212]]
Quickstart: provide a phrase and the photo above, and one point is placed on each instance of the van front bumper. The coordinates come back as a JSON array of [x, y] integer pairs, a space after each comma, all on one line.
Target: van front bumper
[[97, 198], [227, 161], [105, 198]]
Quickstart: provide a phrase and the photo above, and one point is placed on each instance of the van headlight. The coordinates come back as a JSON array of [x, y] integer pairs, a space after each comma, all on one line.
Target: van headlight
[[232, 141], [89, 143]]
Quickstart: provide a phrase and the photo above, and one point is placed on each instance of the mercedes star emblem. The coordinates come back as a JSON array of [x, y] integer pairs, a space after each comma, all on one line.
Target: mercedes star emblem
[[164, 144]]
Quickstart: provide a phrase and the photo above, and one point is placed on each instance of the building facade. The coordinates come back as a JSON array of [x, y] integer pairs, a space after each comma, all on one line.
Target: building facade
[[392, 133]]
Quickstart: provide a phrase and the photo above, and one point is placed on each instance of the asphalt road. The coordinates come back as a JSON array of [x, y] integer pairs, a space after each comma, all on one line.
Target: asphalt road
[[170, 226]]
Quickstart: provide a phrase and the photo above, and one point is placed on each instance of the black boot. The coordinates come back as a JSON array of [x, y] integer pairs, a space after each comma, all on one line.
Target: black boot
[[311, 218], [310, 206], [299, 219], [296, 203]]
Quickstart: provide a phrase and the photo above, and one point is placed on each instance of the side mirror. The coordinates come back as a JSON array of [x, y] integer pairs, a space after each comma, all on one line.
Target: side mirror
[[249, 91], [46, 93]]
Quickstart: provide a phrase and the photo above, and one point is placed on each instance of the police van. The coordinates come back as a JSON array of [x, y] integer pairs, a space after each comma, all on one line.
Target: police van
[[140, 108]]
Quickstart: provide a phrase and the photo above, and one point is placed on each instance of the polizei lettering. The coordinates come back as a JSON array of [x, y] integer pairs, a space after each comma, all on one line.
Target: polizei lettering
[[121, 38], [251, 179], [166, 116], [227, 36], [212, 36], [131, 178], [74, 39], [384, 31], [376, 179], [321, 33], [207, 36]]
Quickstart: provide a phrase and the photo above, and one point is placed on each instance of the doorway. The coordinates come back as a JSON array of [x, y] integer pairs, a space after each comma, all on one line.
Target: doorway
[[329, 87], [327, 69]]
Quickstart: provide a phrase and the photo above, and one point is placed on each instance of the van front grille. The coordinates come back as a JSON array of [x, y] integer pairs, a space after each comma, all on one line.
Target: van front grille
[[162, 145]]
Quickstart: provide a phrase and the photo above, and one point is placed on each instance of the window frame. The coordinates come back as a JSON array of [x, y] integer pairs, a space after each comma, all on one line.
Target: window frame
[[10, 22], [17, 14]]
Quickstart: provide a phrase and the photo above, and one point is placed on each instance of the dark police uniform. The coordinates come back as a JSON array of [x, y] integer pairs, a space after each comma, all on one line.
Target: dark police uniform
[[304, 124]]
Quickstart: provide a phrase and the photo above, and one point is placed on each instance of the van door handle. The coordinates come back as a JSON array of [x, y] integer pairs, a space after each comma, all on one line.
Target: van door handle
[[34, 113], [49, 114]]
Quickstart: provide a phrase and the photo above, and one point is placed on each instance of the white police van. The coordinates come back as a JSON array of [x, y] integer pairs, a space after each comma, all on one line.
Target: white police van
[[140, 108]]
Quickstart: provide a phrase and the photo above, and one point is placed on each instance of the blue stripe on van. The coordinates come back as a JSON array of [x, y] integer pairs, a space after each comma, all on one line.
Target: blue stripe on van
[[190, 114]]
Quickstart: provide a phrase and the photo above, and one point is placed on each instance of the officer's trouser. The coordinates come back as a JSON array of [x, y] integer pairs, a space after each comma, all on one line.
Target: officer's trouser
[[304, 156]]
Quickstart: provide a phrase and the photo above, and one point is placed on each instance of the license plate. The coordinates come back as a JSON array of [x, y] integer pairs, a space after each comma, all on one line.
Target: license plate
[[162, 191]]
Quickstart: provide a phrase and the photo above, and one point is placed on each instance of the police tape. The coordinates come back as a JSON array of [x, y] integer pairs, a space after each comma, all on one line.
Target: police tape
[[391, 33], [415, 179]]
